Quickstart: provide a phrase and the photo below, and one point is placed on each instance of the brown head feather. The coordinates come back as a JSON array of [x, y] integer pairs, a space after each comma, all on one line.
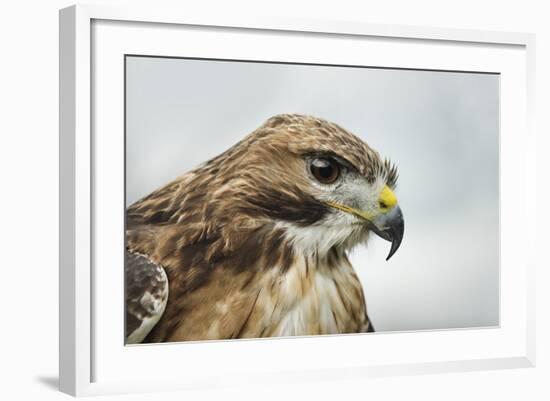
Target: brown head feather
[[254, 182]]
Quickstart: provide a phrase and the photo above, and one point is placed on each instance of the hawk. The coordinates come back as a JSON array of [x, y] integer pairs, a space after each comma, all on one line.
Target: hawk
[[254, 242]]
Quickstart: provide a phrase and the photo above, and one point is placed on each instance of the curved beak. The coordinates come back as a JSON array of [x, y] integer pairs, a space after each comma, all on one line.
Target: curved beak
[[389, 226]]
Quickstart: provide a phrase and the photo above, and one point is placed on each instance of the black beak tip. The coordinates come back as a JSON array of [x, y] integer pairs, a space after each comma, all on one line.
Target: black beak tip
[[393, 249], [395, 234]]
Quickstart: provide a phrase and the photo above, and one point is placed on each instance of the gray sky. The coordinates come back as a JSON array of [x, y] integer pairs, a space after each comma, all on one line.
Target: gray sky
[[440, 128]]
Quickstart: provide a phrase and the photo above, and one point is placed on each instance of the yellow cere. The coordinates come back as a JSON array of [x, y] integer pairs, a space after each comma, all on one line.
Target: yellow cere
[[387, 198]]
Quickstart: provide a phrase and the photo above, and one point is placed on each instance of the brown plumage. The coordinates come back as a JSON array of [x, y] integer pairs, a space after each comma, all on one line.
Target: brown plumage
[[254, 241]]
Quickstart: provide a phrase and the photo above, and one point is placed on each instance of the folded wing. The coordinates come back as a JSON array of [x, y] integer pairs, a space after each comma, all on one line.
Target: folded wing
[[146, 293]]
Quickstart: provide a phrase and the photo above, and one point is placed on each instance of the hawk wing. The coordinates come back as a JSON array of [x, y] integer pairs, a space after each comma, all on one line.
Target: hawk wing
[[210, 296], [146, 296]]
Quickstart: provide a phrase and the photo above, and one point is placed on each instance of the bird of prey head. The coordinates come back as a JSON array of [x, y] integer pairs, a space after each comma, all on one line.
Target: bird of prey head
[[324, 186], [298, 190]]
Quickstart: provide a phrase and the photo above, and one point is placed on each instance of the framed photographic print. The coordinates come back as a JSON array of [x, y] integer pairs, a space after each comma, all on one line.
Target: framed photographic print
[[279, 200]]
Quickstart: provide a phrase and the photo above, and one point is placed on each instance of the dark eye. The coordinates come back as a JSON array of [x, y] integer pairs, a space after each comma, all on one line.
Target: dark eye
[[325, 170]]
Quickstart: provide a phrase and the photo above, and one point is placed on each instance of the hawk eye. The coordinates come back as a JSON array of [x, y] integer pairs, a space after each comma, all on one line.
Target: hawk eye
[[325, 170]]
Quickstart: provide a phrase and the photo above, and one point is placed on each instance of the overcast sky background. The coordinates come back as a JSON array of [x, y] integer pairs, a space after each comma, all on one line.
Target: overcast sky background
[[440, 128]]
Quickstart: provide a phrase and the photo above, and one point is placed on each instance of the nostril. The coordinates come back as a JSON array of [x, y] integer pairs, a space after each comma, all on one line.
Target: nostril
[[382, 205]]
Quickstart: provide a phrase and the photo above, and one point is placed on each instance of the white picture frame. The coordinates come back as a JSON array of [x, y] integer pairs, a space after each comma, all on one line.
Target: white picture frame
[[91, 362]]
